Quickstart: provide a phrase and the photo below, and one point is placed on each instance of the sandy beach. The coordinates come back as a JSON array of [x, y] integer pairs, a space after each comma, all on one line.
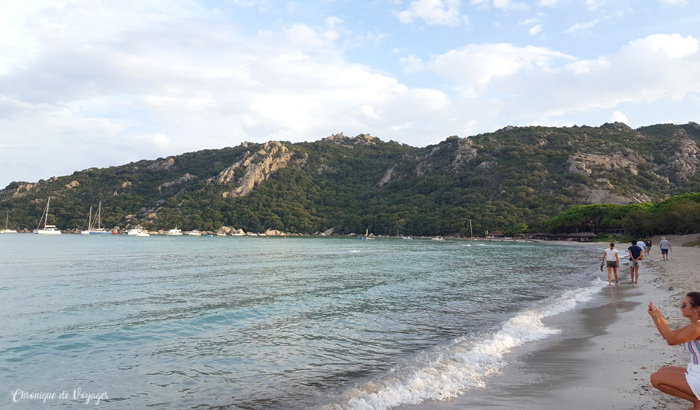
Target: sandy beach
[[604, 355]]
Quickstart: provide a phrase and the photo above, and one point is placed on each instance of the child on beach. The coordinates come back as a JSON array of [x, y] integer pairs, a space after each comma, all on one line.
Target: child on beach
[[674, 380], [612, 259]]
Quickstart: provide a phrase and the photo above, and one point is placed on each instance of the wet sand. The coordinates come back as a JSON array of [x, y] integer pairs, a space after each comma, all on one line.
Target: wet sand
[[604, 355]]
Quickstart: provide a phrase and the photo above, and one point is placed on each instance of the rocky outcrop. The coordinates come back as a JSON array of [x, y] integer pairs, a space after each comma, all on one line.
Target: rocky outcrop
[[347, 142], [465, 152], [182, 179], [23, 189], [162, 165], [257, 167], [586, 163], [72, 184], [387, 177], [685, 161]]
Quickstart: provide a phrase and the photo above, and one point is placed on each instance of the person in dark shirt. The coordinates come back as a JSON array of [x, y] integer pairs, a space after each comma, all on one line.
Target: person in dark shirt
[[636, 256]]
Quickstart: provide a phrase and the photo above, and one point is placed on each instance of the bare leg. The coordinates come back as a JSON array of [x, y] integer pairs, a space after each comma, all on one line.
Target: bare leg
[[617, 281], [609, 276], [671, 380], [636, 274], [631, 274]]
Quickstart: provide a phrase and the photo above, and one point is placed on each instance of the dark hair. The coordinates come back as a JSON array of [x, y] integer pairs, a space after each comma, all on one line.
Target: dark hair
[[694, 298], [612, 244], [634, 243]]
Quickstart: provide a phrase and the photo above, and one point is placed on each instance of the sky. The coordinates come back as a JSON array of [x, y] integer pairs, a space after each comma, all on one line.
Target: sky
[[90, 83]]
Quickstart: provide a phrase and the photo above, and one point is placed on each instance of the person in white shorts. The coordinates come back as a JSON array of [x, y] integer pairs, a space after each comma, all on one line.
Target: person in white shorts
[[683, 382]]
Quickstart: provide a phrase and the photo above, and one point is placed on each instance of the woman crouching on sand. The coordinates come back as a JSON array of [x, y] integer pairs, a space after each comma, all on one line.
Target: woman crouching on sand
[[679, 381]]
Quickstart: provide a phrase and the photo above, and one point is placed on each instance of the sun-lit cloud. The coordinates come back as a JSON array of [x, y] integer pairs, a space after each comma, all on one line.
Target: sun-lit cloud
[[617, 116]]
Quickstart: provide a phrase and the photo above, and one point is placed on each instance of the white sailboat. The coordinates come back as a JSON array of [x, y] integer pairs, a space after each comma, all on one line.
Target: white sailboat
[[6, 230], [87, 231], [48, 229], [99, 230]]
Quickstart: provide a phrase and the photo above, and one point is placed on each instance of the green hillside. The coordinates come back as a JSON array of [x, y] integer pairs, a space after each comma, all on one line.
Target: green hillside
[[499, 181]]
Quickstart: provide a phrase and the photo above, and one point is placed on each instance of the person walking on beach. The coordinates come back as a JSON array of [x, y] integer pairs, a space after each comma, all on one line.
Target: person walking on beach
[[636, 255], [683, 382], [648, 244], [612, 259], [665, 247], [642, 245]]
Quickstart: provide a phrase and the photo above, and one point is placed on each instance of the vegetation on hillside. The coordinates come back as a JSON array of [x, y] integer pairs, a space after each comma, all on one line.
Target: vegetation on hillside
[[512, 180]]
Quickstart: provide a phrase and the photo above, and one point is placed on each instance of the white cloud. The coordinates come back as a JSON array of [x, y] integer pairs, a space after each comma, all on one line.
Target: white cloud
[[548, 3], [582, 27], [509, 5], [594, 5], [477, 65], [617, 116], [665, 46], [499, 4], [535, 30], [436, 12], [673, 2], [412, 64], [588, 66]]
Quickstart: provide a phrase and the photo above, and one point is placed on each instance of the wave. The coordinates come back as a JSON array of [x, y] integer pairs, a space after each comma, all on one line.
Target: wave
[[466, 363]]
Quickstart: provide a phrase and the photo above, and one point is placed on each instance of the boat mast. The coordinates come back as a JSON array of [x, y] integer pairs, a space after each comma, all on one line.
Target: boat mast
[[46, 219], [99, 219]]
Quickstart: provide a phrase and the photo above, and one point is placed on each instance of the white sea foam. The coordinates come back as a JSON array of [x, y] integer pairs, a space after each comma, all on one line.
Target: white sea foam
[[465, 364]]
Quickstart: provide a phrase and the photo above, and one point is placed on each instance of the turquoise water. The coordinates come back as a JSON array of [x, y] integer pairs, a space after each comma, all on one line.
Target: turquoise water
[[258, 323]]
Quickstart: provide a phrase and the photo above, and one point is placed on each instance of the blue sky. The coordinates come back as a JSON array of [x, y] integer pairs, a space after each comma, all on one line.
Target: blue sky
[[86, 83]]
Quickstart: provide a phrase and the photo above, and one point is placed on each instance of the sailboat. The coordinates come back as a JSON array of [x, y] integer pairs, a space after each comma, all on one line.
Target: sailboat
[[99, 230], [87, 231], [48, 229], [6, 230]]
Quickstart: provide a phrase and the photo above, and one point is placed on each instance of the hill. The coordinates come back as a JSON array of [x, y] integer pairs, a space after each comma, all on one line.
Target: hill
[[499, 180]]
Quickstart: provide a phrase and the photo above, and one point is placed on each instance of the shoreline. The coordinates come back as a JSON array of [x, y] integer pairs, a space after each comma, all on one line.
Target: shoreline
[[605, 352]]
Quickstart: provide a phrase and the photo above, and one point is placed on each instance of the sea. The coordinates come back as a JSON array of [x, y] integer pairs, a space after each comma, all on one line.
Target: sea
[[328, 323]]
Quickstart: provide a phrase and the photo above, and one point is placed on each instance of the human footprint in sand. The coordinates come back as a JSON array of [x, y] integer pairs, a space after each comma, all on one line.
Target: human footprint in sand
[[680, 381]]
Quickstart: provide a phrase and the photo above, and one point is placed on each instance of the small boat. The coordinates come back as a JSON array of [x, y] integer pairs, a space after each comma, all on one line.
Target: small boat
[[174, 232], [137, 232], [48, 229], [194, 233], [409, 238], [6, 230], [437, 238]]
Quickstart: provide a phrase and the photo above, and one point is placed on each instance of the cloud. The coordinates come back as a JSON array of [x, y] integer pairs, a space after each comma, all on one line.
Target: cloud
[[434, 12], [535, 30], [617, 116], [673, 2], [582, 27], [500, 4], [475, 66]]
